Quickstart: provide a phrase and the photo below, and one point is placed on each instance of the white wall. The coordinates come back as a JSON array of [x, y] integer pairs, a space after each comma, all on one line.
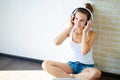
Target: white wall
[[28, 27]]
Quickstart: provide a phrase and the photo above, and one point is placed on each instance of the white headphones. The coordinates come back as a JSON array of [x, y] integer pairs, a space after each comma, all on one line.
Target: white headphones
[[74, 12]]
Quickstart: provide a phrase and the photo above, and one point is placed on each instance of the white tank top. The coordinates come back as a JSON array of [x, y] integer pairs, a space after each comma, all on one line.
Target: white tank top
[[75, 52]]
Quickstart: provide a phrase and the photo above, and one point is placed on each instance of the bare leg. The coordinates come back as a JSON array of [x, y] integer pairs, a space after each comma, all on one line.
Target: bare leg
[[88, 74], [57, 69]]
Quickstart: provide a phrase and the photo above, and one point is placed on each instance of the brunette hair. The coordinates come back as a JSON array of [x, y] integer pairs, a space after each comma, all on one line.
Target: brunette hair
[[87, 11]]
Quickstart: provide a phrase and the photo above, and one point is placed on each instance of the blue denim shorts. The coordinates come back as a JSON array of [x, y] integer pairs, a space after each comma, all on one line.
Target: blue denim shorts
[[77, 67]]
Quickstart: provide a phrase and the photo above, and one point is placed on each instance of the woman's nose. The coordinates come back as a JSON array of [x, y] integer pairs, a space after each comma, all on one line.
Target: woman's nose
[[78, 22]]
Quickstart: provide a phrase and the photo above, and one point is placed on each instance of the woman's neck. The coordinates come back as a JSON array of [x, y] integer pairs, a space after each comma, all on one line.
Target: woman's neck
[[78, 32]]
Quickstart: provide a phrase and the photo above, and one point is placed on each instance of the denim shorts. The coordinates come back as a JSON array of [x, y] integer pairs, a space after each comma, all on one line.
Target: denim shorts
[[77, 67]]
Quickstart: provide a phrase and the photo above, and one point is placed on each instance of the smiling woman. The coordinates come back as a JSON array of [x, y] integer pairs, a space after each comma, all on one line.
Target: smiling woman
[[29, 27]]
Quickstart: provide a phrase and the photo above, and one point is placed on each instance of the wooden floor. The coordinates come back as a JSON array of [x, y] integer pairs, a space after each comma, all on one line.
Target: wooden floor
[[17, 63]]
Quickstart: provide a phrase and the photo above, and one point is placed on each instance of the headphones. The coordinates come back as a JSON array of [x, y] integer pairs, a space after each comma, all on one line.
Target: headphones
[[81, 8]]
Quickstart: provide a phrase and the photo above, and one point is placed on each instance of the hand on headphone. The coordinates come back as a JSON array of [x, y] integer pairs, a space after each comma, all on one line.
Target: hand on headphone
[[71, 23], [88, 26]]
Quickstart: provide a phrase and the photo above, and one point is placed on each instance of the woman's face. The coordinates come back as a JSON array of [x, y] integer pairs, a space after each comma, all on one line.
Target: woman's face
[[80, 20]]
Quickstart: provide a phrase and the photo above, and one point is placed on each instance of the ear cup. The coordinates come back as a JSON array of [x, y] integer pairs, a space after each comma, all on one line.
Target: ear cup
[[73, 18], [73, 14], [87, 22]]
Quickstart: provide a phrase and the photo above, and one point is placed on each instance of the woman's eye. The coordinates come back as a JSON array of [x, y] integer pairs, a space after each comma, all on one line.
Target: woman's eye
[[81, 20]]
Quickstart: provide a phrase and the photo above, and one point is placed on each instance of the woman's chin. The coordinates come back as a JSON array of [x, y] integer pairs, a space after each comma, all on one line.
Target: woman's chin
[[78, 27]]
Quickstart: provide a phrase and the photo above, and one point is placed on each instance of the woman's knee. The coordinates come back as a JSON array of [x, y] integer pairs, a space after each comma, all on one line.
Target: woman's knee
[[95, 74], [46, 64]]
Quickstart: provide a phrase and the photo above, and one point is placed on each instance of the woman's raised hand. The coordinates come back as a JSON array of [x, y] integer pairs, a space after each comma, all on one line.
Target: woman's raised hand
[[71, 22], [88, 26]]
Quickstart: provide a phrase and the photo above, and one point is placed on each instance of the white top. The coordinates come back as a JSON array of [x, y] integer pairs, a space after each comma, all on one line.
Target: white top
[[76, 55]]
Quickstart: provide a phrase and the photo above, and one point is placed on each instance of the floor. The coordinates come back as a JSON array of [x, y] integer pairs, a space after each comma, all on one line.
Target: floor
[[8, 63], [13, 63]]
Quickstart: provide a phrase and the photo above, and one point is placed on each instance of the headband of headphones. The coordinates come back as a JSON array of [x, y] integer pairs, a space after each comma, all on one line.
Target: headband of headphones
[[74, 12]]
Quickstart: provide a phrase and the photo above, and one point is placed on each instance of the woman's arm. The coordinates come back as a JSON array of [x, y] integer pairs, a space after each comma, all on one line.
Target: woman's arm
[[87, 42], [61, 37]]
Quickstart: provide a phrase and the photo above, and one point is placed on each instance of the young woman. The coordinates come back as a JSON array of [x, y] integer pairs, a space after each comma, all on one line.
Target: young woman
[[82, 36]]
